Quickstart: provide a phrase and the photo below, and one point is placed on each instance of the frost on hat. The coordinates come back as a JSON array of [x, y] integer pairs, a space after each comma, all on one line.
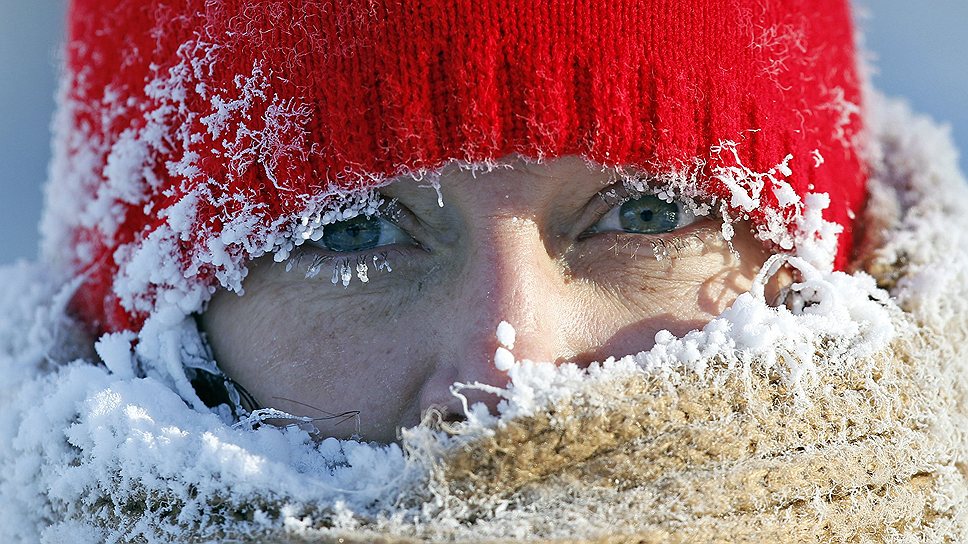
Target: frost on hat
[[193, 136]]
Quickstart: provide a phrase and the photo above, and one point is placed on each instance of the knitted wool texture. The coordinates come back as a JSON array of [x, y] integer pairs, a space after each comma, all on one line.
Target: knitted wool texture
[[194, 135]]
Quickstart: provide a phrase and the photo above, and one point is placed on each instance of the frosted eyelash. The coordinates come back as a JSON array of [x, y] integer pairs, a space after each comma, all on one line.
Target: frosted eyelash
[[639, 187], [671, 249], [343, 268], [665, 248]]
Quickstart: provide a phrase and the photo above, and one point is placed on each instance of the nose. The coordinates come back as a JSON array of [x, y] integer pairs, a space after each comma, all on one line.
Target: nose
[[508, 275]]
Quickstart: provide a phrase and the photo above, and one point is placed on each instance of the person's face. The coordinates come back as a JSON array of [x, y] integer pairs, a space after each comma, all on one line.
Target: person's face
[[563, 253]]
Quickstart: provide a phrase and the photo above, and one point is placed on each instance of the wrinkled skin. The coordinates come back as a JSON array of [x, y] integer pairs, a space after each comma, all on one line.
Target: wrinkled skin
[[507, 245]]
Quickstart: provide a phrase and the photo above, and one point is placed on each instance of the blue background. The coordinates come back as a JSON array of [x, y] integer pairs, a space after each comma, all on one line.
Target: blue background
[[919, 50]]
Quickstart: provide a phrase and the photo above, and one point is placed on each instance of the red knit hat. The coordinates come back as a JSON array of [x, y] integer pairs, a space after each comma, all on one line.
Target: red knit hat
[[194, 135]]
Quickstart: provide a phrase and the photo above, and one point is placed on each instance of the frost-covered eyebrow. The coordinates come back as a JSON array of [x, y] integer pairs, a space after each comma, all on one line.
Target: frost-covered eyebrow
[[561, 176]]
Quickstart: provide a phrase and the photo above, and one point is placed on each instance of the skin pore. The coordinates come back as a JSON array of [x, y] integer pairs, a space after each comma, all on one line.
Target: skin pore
[[560, 251]]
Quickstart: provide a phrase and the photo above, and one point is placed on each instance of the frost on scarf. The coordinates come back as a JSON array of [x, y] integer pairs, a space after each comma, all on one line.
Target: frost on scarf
[[838, 413], [121, 458]]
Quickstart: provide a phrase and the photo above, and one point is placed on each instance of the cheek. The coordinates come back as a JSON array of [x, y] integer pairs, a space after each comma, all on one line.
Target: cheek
[[312, 343], [631, 296], [375, 348]]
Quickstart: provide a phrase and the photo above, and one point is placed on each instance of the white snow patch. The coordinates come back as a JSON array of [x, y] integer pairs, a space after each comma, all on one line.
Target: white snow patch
[[506, 334], [503, 359], [115, 351]]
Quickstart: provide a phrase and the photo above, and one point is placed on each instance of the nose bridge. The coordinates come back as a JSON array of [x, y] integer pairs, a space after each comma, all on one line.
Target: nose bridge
[[510, 277], [507, 275]]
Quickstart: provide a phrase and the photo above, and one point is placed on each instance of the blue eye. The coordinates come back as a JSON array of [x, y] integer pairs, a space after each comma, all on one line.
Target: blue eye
[[647, 214], [360, 233]]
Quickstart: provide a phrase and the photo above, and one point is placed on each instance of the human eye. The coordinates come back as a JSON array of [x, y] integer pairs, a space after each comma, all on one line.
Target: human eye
[[360, 233], [644, 214]]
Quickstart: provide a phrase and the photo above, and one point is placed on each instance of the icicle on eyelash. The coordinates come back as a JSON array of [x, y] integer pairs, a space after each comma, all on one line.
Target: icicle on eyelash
[[673, 248], [343, 268], [385, 265], [668, 249], [660, 249], [314, 267], [342, 272], [336, 274]]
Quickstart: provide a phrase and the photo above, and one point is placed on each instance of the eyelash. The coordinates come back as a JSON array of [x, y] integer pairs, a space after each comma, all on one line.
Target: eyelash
[[663, 245], [670, 245], [343, 265]]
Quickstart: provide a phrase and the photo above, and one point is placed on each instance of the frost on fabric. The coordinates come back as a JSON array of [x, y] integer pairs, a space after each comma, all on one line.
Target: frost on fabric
[[244, 127], [92, 452], [174, 263], [246, 233], [844, 313], [923, 205], [138, 462], [812, 237]]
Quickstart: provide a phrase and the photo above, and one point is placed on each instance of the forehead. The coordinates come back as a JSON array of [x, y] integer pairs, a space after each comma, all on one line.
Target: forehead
[[516, 172], [554, 192]]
